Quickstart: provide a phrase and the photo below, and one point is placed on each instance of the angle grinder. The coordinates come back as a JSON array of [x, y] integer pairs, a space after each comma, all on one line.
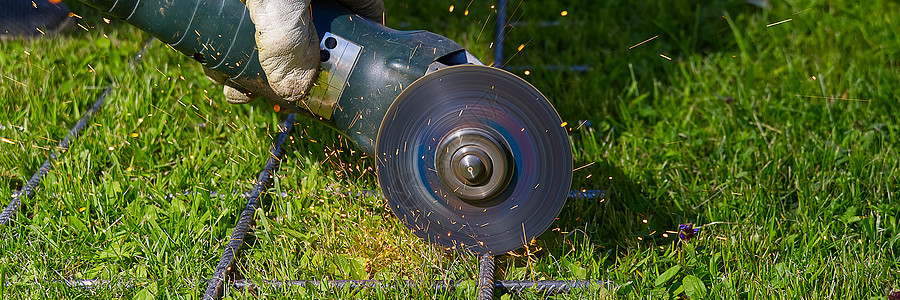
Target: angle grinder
[[469, 157]]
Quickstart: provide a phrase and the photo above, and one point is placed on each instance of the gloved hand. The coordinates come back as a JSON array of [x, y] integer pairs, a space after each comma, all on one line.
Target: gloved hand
[[288, 46]]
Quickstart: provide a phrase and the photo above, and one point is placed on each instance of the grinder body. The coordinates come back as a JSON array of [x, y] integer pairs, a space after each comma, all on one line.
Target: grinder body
[[364, 66], [468, 157]]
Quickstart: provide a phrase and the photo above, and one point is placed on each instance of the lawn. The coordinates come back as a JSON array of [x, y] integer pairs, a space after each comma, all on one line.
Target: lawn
[[775, 130]]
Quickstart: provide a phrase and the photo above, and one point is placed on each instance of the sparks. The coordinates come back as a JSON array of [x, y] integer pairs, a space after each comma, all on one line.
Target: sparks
[[641, 43], [779, 22], [834, 98], [582, 167]]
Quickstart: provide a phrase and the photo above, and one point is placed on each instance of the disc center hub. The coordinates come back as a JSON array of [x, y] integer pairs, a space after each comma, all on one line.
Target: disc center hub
[[474, 164]]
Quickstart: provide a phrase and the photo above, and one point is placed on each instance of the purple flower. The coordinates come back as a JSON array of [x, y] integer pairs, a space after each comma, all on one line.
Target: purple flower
[[687, 231]]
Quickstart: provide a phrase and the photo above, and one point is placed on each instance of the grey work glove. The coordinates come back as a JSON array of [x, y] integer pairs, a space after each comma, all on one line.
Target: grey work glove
[[288, 46]]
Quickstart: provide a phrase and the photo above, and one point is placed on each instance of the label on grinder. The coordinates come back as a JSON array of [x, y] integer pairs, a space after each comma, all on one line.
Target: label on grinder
[[338, 57]]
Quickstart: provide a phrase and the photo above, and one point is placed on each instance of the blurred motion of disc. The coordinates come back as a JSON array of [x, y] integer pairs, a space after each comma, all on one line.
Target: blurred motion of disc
[[474, 158]]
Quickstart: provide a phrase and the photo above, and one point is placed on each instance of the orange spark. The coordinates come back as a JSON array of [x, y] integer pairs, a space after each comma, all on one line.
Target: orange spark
[[641, 43]]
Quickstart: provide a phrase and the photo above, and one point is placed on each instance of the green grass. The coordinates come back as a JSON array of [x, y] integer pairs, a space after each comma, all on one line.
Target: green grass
[[783, 138]]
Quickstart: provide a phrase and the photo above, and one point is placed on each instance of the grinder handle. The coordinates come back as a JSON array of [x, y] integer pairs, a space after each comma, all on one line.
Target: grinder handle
[[217, 33], [354, 88]]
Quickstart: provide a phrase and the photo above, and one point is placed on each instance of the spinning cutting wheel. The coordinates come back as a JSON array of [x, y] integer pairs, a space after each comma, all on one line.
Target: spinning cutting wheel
[[474, 158]]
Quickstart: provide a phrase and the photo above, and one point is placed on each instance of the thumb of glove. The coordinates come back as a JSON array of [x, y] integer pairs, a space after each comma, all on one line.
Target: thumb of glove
[[287, 43], [234, 93]]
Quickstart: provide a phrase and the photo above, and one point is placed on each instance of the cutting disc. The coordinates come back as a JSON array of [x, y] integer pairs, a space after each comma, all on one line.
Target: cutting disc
[[474, 158]]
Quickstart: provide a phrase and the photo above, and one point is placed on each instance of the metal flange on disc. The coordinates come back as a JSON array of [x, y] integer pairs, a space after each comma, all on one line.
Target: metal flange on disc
[[474, 158]]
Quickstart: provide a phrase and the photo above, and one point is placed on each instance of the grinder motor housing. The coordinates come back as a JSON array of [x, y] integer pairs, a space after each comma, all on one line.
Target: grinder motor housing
[[468, 157], [364, 65]]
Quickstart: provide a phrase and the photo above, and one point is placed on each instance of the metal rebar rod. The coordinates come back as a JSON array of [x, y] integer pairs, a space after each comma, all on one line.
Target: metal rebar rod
[[586, 194], [437, 285], [28, 190], [499, 32], [573, 194], [546, 287], [550, 68], [486, 267], [215, 287]]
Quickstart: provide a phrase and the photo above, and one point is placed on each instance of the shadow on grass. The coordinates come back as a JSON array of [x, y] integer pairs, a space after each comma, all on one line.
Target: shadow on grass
[[624, 216], [591, 233], [622, 44], [627, 50]]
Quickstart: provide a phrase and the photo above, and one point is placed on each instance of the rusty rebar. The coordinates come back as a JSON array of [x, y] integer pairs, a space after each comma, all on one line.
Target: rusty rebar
[[499, 33], [31, 186], [216, 286], [545, 287], [486, 268]]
